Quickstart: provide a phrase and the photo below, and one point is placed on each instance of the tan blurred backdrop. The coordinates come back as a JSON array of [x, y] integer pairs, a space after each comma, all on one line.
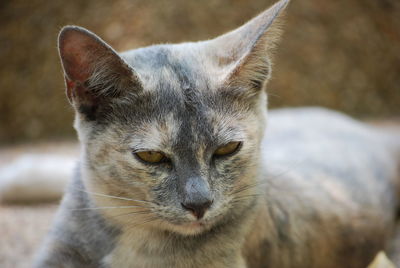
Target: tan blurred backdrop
[[342, 54]]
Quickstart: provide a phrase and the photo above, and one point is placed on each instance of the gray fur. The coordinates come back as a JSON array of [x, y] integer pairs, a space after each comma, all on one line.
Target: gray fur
[[75, 249], [317, 182]]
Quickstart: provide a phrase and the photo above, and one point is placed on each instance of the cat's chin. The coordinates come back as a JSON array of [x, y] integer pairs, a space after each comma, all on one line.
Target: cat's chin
[[189, 228]]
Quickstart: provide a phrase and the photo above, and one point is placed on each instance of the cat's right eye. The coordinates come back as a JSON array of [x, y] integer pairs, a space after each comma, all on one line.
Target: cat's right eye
[[228, 149], [152, 157]]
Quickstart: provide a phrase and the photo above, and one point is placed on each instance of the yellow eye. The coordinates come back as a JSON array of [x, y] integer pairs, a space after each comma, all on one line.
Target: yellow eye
[[151, 156], [227, 149]]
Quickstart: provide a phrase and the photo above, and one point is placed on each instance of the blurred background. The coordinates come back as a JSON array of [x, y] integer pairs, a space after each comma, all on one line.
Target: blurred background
[[341, 54]]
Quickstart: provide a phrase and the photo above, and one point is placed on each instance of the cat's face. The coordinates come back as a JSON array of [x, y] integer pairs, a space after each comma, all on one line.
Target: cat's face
[[171, 134], [168, 149]]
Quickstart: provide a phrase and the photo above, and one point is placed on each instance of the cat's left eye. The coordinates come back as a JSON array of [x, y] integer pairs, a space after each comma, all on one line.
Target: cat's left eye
[[228, 148], [153, 157]]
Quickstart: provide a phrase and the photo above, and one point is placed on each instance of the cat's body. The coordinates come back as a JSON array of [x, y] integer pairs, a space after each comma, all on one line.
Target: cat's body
[[332, 191], [176, 170]]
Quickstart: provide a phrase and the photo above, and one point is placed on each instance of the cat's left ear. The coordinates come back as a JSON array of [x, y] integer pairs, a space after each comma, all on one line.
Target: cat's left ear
[[245, 53]]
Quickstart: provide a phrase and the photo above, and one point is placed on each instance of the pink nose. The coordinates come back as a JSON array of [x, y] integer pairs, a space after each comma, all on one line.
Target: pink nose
[[198, 208]]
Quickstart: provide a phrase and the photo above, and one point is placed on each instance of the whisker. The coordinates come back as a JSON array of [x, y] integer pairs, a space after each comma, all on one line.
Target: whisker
[[246, 196], [248, 186], [274, 95], [98, 208], [115, 197], [131, 226], [264, 181], [238, 200], [133, 213]]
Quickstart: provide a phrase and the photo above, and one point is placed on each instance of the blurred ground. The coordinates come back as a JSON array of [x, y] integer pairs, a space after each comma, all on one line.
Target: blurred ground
[[341, 54], [22, 229]]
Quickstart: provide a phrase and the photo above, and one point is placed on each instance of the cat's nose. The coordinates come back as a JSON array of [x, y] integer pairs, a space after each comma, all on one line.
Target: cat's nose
[[197, 209], [197, 196]]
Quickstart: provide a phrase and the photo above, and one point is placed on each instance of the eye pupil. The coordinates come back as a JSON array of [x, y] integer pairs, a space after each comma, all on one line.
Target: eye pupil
[[228, 148], [151, 156]]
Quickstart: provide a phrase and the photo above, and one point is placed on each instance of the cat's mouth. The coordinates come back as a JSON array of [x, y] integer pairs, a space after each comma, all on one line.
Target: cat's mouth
[[189, 227], [197, 224], [193, 227]]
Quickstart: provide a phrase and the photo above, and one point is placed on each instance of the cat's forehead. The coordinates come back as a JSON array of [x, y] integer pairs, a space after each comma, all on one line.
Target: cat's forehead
[[178, 66]]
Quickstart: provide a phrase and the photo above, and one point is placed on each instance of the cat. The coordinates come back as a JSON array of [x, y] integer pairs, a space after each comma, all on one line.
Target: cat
[[181, 165]]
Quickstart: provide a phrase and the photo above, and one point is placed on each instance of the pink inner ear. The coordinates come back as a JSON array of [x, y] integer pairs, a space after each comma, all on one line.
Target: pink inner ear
[[76, 64], [76, 51], [70, 86], [78, 93]]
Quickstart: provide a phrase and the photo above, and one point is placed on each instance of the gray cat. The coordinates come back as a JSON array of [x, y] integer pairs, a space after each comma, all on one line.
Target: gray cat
[[176, 170]]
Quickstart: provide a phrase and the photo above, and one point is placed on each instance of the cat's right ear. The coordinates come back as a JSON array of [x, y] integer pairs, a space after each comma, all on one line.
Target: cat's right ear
[[94, 72], [244, 55]]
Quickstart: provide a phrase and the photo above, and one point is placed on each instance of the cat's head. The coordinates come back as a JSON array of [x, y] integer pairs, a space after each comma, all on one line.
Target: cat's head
[[175, 127]]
